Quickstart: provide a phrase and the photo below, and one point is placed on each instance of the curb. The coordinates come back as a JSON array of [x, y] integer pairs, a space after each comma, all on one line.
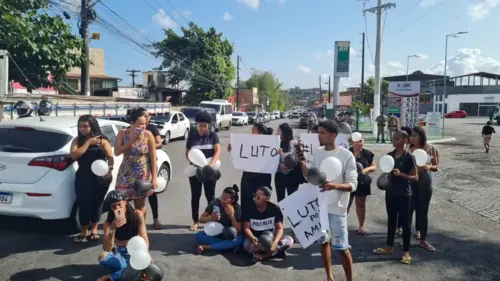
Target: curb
[[385, 145]]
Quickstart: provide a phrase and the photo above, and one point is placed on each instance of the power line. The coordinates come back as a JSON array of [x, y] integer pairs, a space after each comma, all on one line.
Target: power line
[[180, 14], [405, 13]]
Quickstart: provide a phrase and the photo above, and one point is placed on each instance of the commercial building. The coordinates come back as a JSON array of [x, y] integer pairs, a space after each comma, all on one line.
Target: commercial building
[[248, 99]]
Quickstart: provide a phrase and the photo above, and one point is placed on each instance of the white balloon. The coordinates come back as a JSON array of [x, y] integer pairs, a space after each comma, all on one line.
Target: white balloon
[[356, 136], [162, 184], [332, 168], [197, 157], [420, 157], [140, 260], [100, 168], [217, 163], [213, 228], [386, 163], [190, 171], [136, 244]]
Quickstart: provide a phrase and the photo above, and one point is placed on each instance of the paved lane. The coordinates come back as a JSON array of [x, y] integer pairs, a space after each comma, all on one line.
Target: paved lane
[[467, 243]]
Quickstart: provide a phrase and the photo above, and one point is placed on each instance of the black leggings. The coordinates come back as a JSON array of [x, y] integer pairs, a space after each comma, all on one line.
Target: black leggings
[[250, 182], [285, 183], [421, 199], [398, 207], [153, 202], [196, 187], [90, 194]]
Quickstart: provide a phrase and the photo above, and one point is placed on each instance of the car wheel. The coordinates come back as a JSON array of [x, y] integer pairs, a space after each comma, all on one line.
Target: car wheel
[[213, 128], [219, 128], [186, 134], [166, 140], [229, 126], [164, 172]]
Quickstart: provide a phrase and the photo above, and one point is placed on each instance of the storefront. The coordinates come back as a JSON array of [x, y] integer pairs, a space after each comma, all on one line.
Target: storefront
[[473, 104]]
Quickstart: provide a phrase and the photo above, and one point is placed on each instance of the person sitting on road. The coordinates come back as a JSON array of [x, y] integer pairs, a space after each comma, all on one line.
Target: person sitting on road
[[261, 217], [226, 211], [122, 224]]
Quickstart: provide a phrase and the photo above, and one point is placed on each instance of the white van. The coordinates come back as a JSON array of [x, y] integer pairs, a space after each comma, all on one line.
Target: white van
[[223, 110]]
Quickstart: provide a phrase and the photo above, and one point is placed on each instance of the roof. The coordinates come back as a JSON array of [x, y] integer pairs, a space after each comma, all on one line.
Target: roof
[[54, 123], [95, 76], [198, 107], [415, 76], [481, 74]]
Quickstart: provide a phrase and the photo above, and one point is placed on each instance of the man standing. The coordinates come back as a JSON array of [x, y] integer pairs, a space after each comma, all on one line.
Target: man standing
[[340, 189], [381, 122], [311, 122], [393, 124]]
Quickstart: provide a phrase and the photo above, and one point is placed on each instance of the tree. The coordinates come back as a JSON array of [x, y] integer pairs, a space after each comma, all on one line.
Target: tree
[[370, 90], [201, 58], [269, 86], [40, 44]]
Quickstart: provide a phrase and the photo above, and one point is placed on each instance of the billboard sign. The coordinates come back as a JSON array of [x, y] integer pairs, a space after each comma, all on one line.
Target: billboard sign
[[342, 54]]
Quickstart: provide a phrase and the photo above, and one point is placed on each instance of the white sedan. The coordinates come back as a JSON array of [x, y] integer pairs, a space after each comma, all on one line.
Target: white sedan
[[240, 118], [37, 177], [172, 125]]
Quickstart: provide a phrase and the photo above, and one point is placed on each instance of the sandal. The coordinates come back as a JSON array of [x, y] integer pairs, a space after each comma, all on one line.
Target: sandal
[[405, 260], [382, 251], [417, 235], [157, 225], [399, 232], [194, 227], [80, 239], [94, 237], [428, 247]]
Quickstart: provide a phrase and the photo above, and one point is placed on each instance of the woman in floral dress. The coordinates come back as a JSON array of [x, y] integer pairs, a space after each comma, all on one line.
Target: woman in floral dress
[[138, 147]]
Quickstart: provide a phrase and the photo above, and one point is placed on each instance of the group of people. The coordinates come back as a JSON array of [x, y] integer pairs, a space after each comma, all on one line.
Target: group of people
[[252, 223]]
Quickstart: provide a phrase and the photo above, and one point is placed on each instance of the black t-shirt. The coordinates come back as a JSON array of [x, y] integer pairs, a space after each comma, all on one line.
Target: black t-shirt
[[405, 164], [224, 218], [204, 143], [153, 129], [488, 130], [260, 222], [365, 157]]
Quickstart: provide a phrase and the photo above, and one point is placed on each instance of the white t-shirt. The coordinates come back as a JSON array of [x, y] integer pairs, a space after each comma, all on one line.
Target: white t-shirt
[[339, 200]]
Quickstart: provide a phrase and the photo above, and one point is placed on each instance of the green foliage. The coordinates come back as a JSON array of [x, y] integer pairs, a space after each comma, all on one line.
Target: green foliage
[[39, 43], [202, 58], [364, 108], [370, 89], [269, 86]]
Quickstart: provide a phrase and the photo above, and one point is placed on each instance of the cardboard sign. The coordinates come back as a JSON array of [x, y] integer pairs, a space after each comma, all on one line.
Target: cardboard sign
[[255, 153]]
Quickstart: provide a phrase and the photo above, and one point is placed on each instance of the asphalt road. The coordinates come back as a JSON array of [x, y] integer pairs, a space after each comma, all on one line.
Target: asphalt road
[[464, 227]]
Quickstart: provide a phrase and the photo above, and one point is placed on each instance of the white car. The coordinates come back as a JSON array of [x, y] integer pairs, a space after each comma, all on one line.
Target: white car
[[172, 125], [37, 178], [240, 118]]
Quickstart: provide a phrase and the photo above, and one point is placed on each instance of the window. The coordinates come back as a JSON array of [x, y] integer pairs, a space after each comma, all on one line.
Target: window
[[73, 83], [109, 133], [120, 127], [21, 140], [181, 116], [106, 84], [175, 118], [425, 98], [229, 109]]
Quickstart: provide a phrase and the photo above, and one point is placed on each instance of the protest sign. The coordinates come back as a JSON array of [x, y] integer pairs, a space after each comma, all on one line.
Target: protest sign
[[306, 210], [255, 153], [310, 143], [342, 140]]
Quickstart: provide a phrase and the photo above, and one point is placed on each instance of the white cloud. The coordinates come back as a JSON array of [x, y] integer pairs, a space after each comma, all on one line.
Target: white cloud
[[482, 10], [254, 4], [466, 61], [164, 20], [423, 56], [426, 3], [303, 68], [395, 64], [353, 52], [227, 16]]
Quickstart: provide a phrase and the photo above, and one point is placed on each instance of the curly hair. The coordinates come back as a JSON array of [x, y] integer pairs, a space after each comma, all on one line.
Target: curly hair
[[203, 117]]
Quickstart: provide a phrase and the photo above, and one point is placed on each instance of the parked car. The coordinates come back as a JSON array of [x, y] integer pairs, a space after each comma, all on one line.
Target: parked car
[[304, 117], [190, 113], [240, 118], [263, 118], [456, 114], [36, 174], [254, 117], [172, 125], [294, 115]]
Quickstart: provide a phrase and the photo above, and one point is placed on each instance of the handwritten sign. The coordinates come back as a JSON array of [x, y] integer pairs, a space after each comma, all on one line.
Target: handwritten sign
[[306, 210], [310, 142], [255, 153]]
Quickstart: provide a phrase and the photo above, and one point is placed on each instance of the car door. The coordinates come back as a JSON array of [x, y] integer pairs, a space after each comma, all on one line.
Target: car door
[[174, 122], [184, 123], [110, 132]]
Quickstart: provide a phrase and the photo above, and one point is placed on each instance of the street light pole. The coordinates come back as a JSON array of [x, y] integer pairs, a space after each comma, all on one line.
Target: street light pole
[[408, 64], [454, 35]]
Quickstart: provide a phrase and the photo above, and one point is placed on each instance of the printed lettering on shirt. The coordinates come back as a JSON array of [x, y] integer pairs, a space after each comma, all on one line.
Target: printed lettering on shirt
[[262, 225]]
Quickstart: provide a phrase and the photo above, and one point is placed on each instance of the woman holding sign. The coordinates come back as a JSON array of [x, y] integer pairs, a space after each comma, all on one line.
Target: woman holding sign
[[251, 181], [208, 142]]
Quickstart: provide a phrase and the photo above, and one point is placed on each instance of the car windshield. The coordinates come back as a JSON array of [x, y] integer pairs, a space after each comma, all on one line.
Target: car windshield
[[237, 113], [261, 115], [190, 112], [216, 107], [22, 140], [162, 118], [251, 114]]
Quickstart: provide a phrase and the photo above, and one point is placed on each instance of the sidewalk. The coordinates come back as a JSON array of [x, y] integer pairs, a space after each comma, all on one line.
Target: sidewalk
[[372, 141]]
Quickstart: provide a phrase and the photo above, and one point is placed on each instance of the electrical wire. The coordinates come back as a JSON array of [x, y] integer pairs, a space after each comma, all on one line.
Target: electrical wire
[[405, 13], [178, 12], [22, 72], [245, 66]]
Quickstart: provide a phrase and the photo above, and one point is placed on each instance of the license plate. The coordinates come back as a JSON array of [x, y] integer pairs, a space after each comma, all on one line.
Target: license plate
[[5, 198]]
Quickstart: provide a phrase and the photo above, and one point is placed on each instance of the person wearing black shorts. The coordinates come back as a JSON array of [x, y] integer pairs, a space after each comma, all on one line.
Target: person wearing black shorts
[[365, 158]]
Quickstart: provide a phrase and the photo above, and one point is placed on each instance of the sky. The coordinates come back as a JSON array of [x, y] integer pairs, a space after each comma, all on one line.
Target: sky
[[295, 38]]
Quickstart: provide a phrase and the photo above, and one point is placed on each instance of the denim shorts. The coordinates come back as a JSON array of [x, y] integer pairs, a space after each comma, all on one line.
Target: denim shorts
[[116, 262], [338, 229]]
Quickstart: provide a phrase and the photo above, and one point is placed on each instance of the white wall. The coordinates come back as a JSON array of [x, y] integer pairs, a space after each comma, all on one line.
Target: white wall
[[453, 101]]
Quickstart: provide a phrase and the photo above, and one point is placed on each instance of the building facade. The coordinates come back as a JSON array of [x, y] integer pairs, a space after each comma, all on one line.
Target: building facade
[[248, 99], [159, 88]]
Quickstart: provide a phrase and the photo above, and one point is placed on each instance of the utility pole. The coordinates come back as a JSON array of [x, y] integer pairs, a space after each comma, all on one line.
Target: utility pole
[[363, 70], [320, 95], [376, 99], [84, 32], [133, 71], [238, 83], [329, 89]]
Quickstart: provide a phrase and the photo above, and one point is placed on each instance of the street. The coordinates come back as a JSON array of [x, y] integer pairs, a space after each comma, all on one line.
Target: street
[[464, 226]]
